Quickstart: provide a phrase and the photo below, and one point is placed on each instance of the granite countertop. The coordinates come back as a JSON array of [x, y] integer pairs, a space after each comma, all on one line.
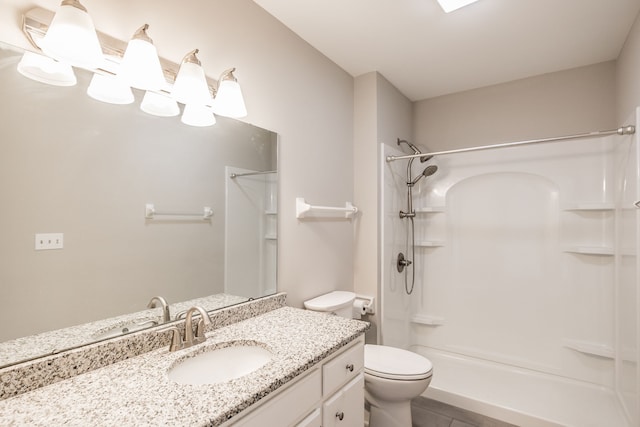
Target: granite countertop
[[137, 391], [51, 342]]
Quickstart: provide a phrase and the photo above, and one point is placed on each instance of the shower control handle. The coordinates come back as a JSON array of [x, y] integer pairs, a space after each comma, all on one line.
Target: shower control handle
[[402, 262], [340, 415]]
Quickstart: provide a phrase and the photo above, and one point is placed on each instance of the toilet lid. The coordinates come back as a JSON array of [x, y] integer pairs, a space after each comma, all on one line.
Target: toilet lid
[[395, 363], [331, 301]]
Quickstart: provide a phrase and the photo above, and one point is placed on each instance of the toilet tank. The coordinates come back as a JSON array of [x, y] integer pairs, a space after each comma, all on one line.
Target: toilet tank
[[339, 303]]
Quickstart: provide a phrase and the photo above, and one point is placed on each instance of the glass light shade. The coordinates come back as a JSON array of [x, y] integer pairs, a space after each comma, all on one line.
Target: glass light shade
[[72, 37], [109, 89], [197, 115], [229, 101], [451, 5], [140, 66], [191, 85], [46, 70], [159, 105]]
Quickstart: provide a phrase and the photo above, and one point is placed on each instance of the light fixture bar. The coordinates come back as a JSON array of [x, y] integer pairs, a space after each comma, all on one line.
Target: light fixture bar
[[35, 23]]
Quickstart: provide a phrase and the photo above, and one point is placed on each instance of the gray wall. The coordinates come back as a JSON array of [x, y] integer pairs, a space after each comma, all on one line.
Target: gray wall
[[628, 75], [566, 102], [289, 87], [382, 114]]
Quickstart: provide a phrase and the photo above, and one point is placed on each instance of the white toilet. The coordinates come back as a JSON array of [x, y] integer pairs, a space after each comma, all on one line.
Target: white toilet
[[392, 376]]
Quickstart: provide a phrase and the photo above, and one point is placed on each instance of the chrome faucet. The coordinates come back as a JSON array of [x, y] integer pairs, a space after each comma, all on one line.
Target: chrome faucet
[[166, 316], [177, 342]]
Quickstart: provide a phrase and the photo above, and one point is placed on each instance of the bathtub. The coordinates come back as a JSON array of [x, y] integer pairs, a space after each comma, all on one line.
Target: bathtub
[[519, 396]]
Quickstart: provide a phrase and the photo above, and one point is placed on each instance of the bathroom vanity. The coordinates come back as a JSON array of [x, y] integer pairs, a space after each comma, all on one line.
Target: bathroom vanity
[[330, 394], [314, 377]]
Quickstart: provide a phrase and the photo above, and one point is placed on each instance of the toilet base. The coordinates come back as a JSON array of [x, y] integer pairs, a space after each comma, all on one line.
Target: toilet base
[[390, 400], [393, 414]]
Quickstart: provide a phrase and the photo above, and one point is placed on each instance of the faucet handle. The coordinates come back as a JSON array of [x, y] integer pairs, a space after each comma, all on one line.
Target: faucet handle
[[200, 327], [204, 321], [189, 338], [176, 338]]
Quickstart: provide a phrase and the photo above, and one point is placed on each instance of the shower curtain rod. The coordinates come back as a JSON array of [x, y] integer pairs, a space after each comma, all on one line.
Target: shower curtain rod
[[625, 130]]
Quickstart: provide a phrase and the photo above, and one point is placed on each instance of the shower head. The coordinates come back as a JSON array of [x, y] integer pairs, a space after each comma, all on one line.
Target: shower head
[[428, 171], [415, 149]]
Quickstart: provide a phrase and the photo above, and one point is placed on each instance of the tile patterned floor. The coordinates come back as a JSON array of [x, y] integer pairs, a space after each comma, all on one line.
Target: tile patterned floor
[[430, 413]]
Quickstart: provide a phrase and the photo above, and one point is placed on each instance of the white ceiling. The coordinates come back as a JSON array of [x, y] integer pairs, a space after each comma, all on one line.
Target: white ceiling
[[425, 52]]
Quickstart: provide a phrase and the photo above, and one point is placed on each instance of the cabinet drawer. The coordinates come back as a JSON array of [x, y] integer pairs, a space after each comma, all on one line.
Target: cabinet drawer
[[343, 368], [288, 406], [346, 407]]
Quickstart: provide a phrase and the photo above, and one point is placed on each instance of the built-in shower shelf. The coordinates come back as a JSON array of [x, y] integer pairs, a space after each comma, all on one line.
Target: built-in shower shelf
[[270, 212], [429, 243], [590, 250], [271, 237], [424, 319], [597, 206], [430, 209], [590, 348]]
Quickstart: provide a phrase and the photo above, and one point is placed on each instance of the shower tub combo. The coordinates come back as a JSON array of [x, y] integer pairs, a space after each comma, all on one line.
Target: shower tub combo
[[525, 296]]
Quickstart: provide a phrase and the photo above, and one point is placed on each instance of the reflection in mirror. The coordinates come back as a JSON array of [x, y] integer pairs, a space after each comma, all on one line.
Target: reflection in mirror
[[86, 171]]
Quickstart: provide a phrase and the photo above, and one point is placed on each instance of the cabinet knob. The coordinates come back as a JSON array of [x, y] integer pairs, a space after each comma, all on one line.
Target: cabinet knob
[[340, 415], [350, 369]]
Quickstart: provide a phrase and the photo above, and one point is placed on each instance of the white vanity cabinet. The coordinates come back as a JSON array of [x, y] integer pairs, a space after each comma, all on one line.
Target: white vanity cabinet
[[330, 394]]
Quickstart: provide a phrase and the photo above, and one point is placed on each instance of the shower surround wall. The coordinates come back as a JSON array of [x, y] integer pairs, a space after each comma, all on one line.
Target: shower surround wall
[[250, 232], [524, 297]]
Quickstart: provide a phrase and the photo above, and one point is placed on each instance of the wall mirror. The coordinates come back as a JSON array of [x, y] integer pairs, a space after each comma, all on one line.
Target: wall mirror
[[86, 172]]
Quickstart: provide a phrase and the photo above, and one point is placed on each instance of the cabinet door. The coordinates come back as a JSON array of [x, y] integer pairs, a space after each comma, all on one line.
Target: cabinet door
[[287, 406], [313, 420], [346, 407]]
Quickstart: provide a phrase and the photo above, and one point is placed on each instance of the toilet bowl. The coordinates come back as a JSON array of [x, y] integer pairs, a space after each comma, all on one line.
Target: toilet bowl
[[392, 376]]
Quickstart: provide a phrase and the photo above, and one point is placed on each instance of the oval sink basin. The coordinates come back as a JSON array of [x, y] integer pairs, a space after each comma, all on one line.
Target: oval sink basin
[[220, 364]]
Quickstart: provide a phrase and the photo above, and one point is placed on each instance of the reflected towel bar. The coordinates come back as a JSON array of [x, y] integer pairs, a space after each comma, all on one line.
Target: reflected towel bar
[[238, 175], [150, 212]]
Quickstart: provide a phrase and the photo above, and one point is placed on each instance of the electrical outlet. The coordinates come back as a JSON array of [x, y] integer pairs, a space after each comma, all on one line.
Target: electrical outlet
[[46, 241]]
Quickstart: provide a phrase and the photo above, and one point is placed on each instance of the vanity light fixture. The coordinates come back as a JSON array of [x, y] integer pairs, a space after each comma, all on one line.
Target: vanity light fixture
[[191, 86], [187, 83], [46, 70], [228, 100], [140, 67], [198, 115], [159, 104], [451, 5], [110, 89], [72, 37]]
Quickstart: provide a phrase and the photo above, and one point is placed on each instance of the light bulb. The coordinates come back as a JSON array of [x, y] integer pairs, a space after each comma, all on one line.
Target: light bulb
[[229, 101], [197, 115], [191, 85], [140, 66], [46, 70], [159, 105], [72, 37], [109, 89]]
